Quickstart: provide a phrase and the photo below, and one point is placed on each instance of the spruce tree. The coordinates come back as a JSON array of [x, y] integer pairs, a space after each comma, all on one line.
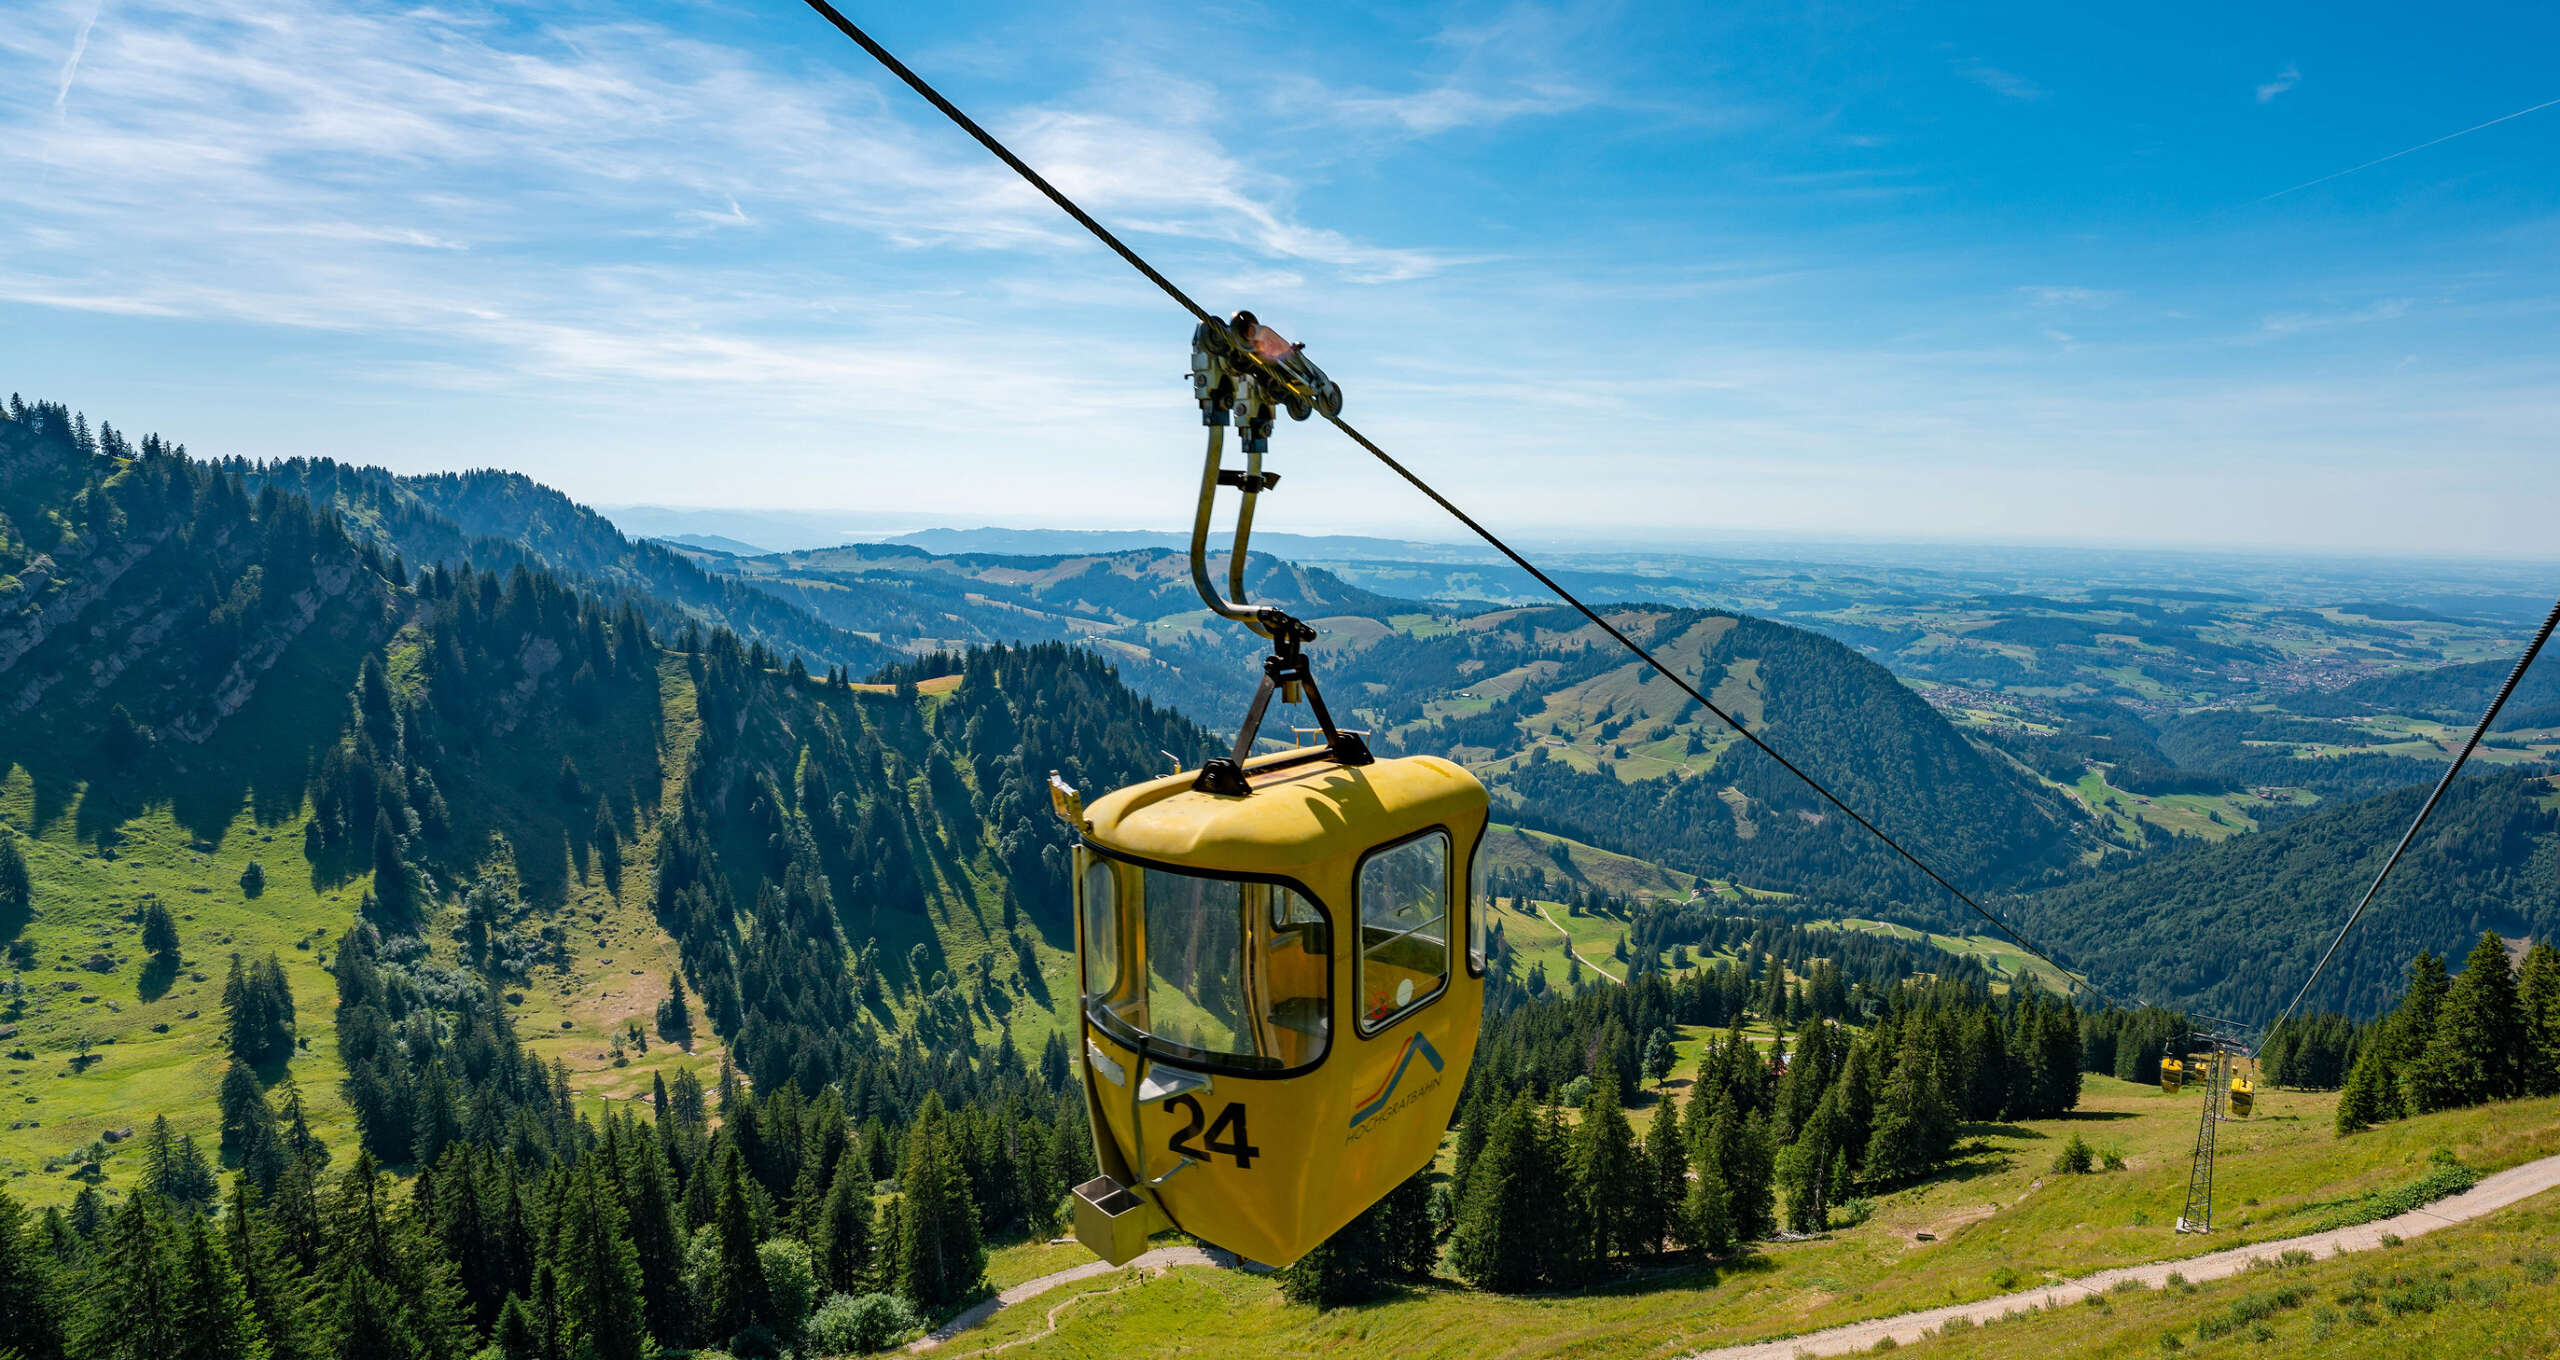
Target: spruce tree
[[279, 1295], [17, 885], [1606, 1174], [1390, 1238], [134, 1290], [2538, 1000], [841, 1248], [599, 1272], [1666, 1179], [2475, 1050], [391, 887], [1914, 1128], [657, 1238], [2369, 1095], [30, 1306], [215, 1319], [608, 845], [744, 1300], [1706, 1211], [361, 1317], [1506, 1217], [159, 931], [516, 1337], [940, 1258], [1804, 1168]]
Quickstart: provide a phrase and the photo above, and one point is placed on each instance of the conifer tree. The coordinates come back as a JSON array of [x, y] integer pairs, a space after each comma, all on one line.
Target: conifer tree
[[2538, 1000], [1390, 1239], [2474, 1051], [279, 1296], [657, 1242], [841, 1247], [2370, 1096], [1666, 1179], [1604, 1171], [215, 1319], [361, 1317], [599, 1273], [17, 885], [391, 887], [1706, 1212], [1504, 1220], [30, 1304], [1913, 1126], [744, 1300], [516, 1337], [608, 845], [1804, 1168], [940, 1258], [159, 930], [135, 1296]]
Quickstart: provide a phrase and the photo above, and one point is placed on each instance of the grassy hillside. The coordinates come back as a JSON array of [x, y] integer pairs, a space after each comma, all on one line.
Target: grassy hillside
[[2485, 1289], [2234, 928], [2001, 1220]]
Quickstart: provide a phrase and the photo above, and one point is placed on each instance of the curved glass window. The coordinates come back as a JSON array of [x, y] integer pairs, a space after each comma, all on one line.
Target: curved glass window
[[1477, 908], [1228, 971], [1404, 927], [1101, 929]]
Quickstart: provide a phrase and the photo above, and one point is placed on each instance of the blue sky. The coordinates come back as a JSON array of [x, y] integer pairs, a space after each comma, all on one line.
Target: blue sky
[[1610, 271]]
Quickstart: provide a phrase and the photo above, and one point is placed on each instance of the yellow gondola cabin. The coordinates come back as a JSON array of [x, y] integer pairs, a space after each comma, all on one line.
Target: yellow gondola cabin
[[1281, 995]]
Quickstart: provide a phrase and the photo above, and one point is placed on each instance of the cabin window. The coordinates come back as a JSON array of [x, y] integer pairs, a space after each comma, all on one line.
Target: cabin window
[[1237, 972], [1101, 930], [1404, 927], [1477, 909]]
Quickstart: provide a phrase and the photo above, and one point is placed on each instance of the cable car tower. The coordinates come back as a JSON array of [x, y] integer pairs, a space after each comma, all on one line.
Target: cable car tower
[[2227, 1095]]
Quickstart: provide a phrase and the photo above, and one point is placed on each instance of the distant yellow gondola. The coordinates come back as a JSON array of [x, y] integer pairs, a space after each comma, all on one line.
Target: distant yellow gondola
[[1280, 960]]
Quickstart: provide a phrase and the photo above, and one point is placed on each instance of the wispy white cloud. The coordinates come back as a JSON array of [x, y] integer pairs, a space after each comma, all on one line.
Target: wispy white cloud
[[2006, 84], [462, 178], [2285, 80], [2294, 323], [71, 63], [2069, 295]]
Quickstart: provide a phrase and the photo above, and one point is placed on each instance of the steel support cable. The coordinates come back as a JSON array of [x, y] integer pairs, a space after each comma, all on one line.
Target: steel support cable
[[966, 124], [2514, 677]]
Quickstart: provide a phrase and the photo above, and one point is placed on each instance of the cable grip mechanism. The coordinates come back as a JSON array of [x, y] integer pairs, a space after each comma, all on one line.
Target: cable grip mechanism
[[1242, 374]]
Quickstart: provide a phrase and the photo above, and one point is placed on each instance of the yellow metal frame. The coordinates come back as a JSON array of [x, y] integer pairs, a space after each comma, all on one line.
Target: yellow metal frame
[[1335, 1136]]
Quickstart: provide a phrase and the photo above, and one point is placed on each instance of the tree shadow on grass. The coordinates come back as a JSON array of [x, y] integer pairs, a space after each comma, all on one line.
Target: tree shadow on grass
[[159, 972]]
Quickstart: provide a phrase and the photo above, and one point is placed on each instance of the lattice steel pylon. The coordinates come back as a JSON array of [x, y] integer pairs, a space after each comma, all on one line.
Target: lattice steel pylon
[[2198, 1217]]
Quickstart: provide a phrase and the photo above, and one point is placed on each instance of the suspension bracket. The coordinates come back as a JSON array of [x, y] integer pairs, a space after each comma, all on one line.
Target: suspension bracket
[[1286, 673]]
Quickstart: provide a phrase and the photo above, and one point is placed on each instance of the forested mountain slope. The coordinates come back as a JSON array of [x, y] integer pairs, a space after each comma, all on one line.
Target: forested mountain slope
[[1582, 740], [494, 520], [146, 599], [509, 784], [2235, 928]]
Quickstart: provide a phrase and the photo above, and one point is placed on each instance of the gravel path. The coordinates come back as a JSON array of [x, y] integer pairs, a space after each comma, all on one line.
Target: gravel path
[[1568, 946], [1159, 1259], [2491, 1194]]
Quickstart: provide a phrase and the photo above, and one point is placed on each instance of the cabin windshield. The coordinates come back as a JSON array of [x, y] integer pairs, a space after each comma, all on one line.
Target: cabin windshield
[[1224, 971]]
